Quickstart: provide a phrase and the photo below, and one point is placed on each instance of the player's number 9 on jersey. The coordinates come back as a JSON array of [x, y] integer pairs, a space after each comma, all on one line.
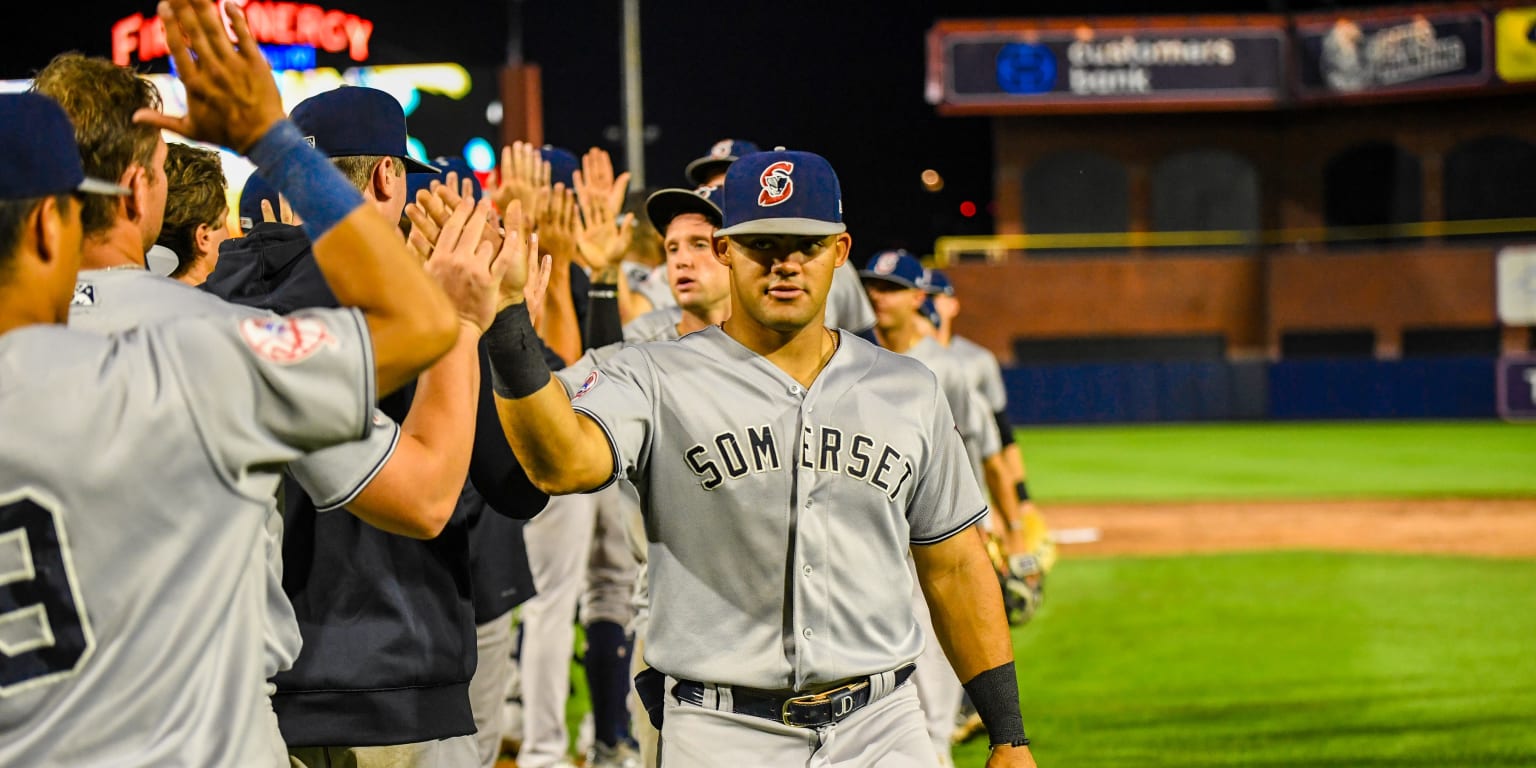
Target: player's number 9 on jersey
[[44, 633]]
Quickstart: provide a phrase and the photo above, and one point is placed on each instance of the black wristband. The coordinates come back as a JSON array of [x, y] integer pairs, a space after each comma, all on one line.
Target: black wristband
[[1021, 490], [1004, 427], [604, 325], [995, 694], [516, 354]]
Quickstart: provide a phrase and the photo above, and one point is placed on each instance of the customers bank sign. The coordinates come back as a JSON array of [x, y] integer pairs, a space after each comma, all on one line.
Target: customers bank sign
[[1080, 68]]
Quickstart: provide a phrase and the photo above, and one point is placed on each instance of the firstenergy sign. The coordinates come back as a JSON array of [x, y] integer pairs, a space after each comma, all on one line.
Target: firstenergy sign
[[273, 23]]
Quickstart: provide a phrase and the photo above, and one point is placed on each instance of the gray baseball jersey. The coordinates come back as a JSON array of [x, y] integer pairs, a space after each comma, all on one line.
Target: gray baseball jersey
[[133, 499], [650, 282], [109, 301], [780, 518], [972, 417], [985, 369], [847, 303]]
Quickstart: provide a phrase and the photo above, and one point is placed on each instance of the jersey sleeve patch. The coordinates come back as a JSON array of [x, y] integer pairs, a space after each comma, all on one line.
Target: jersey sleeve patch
[[286, 340], [586, 385]]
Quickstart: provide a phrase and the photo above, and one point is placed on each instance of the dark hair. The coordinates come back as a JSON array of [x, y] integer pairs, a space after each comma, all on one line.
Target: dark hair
[[195, 195], [100, 98]]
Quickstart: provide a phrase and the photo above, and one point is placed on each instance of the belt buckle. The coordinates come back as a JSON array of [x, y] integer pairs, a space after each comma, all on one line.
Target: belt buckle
[[840, 699]]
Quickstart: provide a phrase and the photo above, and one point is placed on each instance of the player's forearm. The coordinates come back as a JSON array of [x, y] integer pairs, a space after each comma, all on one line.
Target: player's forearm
[[559, 328], [418, 488], [561, 451], [364, 260], [960, 586]]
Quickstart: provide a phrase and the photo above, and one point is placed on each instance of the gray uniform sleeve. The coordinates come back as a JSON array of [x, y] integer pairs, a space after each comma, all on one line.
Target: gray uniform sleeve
[[991, 378], [334, 476], [972, 417], [619, 397], [574, 374], [947, 499], [267, 389]]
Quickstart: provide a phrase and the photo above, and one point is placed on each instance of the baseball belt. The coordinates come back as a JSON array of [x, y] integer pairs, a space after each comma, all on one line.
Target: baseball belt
[[807, 710]]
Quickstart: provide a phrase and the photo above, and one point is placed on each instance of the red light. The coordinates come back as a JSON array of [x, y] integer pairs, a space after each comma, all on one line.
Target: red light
[[967, 209]]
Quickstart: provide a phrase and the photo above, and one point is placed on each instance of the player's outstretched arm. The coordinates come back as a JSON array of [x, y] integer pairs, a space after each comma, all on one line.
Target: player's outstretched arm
[[960, 586], [561, 451], [232, 100]]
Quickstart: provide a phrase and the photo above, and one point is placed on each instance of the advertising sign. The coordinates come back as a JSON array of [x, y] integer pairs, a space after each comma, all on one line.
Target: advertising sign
[[1025, 69], [1344, 56]]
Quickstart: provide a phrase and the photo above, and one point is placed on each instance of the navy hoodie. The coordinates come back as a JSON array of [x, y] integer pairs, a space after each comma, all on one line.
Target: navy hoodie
[[388, 622]]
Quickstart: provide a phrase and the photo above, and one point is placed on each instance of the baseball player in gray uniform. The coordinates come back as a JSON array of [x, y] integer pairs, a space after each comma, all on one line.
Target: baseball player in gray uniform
[[894, 280], [787, 472], [134, 628]]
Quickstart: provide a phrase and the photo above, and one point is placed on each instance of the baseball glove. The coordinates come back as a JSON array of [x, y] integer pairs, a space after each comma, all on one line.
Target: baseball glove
[[1021, 579]]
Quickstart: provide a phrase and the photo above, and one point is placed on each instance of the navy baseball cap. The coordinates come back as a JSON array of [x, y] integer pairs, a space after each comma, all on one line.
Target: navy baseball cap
[[895, 266], [720, 156], [40, 157], [255, 190], [781, 193], [936, 283], [931, 312], [444, 164], [563, 165], [356, 120], [664, 205]]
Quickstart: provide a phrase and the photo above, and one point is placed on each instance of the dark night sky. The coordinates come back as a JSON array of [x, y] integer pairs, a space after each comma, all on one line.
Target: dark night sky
[[843, 79]]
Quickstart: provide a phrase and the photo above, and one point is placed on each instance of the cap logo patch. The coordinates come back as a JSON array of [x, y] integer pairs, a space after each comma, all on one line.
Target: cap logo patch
[[586, 385], [310, 140], [777, 186], [285, 340], [885, 264], [721, 148]]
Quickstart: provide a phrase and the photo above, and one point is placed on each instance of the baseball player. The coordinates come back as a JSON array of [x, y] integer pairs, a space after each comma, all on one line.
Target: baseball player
[[138, 638], [1039, 548], [894, 280], [786, 471]]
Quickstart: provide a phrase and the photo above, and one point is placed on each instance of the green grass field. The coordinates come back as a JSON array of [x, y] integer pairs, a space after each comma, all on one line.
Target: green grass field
[[1275, 461], [1283, 658]]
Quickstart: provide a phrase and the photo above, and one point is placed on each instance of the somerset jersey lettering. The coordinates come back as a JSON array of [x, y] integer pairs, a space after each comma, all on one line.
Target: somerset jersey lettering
[[734, 455]]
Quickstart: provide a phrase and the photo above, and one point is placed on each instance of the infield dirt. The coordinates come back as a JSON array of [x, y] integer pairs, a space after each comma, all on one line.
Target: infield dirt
[[1493, 528]]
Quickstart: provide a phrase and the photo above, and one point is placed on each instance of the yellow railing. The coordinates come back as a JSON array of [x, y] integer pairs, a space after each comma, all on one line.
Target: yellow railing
[[997, 247]]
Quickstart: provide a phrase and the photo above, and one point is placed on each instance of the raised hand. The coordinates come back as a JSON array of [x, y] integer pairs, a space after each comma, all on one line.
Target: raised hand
[[601, 243], [558, 222], [232, 99], [522, 175], [596, 185], [432, 207], [465, 265]]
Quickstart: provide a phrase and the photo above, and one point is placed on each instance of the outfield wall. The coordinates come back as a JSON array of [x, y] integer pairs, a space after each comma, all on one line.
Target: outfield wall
[[1132, 392]]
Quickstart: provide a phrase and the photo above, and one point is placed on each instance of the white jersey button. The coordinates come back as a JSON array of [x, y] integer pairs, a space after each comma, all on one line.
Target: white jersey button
[[808, 632], [794, 389], [808, 569]]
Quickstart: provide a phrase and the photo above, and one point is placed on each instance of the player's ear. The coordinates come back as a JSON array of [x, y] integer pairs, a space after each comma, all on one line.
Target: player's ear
[[844, 244], [722, 250]]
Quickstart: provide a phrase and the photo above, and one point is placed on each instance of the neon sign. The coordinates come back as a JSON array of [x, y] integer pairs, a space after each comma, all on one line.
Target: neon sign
[[277, 23]]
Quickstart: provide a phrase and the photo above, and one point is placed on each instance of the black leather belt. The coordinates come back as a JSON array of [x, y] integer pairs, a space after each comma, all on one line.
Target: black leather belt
[[808, 710]]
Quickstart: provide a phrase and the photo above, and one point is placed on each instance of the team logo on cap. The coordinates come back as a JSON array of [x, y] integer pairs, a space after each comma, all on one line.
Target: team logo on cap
[[777, 186], [310, 140], [722, 148], [285, 340], [706, 191], [586, 386], [886, 262]]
